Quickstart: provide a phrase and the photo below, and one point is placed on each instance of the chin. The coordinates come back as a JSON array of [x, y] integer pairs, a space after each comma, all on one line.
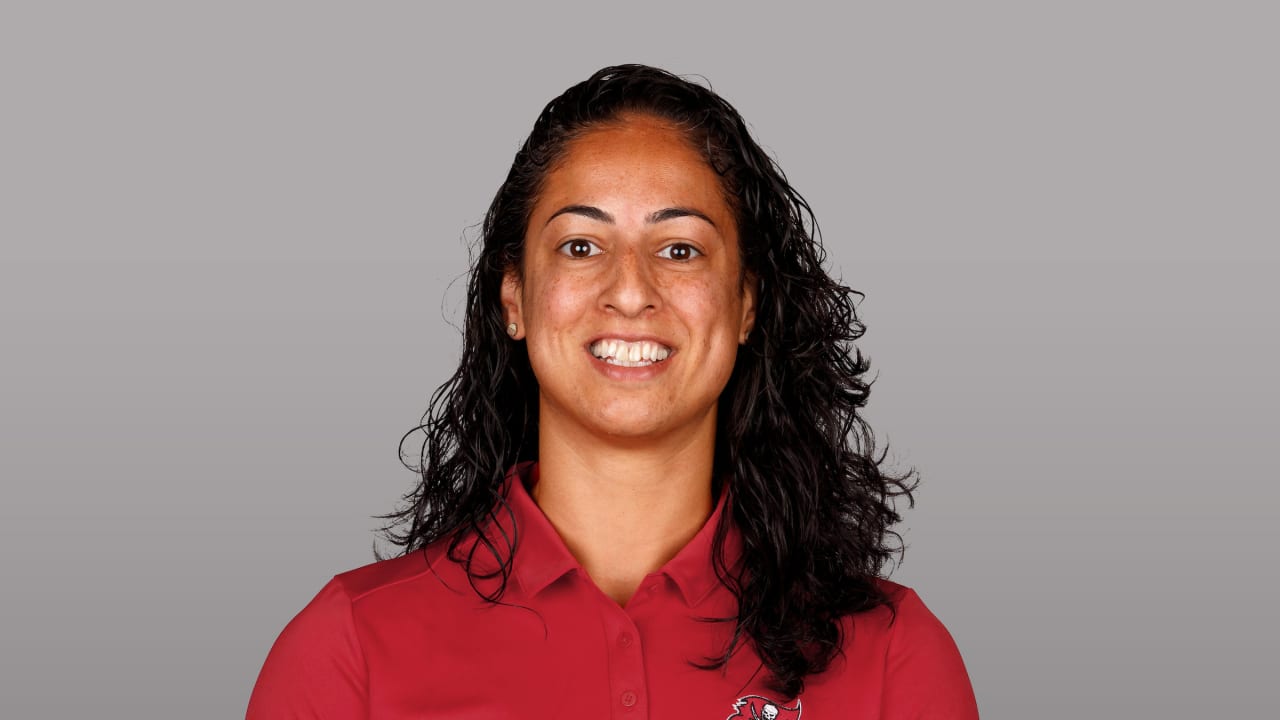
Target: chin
[[639, 425], [629, 426]]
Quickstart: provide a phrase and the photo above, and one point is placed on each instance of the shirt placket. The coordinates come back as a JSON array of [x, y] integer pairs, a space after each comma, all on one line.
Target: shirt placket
[[629, 693]]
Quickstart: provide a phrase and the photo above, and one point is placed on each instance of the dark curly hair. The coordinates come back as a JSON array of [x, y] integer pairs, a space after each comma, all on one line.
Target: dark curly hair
[[814, 508]]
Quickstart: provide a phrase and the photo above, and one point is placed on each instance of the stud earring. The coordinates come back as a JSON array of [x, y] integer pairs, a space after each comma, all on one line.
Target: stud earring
[[511, 329]]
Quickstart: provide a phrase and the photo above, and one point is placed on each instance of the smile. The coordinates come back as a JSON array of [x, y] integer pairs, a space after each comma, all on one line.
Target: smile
[[629, 354]]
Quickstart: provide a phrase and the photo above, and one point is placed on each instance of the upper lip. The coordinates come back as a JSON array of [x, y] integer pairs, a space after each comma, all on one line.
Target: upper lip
[[629, 337]]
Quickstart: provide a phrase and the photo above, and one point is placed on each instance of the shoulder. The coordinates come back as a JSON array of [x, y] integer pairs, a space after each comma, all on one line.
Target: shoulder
[[907, 611], [376, 596], [385, 576], [907, 623], [904, 607], [318, 664], [382, 592], [315, 664], [338, 602], [924, 671]]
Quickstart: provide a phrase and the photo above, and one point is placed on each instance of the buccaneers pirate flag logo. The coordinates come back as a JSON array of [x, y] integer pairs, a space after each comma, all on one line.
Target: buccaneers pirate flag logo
[[755, 707]]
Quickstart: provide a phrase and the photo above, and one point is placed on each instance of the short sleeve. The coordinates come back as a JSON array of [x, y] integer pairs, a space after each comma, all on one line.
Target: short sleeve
[[316, 668], [925, 676]]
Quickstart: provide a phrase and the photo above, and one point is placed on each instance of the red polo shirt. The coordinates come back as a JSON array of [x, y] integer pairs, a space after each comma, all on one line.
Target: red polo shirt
[[409, 638]]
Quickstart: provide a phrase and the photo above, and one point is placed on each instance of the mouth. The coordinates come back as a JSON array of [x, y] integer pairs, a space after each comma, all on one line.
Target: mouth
[[623, 353]]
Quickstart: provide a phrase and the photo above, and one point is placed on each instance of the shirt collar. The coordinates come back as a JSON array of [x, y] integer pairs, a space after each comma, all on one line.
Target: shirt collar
[[542, 558], [692, 569]]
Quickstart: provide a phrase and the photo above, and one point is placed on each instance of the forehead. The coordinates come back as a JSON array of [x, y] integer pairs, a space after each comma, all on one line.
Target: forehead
[[639, 162], [631, 135]]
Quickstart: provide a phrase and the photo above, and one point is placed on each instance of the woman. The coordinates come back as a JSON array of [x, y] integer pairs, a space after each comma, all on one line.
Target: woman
[[646, 491]]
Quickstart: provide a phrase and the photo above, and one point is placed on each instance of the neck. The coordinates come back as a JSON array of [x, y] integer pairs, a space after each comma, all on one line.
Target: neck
[[624, 509]]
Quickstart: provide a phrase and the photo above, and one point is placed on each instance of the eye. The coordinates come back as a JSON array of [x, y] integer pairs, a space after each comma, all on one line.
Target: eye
[[579, 248], [682, 252]]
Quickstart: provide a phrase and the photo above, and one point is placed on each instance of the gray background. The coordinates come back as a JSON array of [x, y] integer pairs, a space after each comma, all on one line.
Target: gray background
[[229, 234]]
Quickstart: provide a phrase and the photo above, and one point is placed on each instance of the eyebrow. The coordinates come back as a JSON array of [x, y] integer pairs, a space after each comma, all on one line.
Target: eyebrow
[[656, 216]]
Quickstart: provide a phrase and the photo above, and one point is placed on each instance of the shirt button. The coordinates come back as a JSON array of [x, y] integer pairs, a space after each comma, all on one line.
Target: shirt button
[[628, 699], [624, 640]]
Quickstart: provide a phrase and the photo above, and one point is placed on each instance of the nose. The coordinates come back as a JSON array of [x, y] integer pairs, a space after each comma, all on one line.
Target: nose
[[630, 290]]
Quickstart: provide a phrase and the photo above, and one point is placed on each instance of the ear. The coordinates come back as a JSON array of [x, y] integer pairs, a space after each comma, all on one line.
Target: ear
[[513, 303], [750, 296]]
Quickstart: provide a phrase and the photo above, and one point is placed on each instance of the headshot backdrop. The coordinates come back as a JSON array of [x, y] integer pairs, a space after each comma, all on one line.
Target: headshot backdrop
[[235, 238]]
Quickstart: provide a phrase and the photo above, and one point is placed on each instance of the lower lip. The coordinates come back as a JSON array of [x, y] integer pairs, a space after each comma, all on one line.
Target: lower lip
[[630, 374]]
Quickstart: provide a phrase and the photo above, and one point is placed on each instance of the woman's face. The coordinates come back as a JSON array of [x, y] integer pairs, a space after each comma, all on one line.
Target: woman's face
[[631, 304]]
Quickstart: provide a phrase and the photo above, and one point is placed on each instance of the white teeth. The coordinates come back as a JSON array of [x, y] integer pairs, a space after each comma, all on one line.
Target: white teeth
[[627, 354]]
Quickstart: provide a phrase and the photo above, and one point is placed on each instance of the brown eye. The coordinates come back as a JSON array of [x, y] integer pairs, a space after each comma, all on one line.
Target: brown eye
[[579, 248], [680, 251]]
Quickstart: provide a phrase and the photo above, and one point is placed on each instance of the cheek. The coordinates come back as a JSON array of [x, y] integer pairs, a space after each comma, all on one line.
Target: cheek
[[713, 310], [556, 306], [722, 304]]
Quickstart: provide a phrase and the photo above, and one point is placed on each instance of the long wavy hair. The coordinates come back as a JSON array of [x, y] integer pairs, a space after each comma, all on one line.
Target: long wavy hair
[[814, 508]]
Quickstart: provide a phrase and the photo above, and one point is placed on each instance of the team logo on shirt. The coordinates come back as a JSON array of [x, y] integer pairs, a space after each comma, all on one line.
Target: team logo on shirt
[[756, 707]]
